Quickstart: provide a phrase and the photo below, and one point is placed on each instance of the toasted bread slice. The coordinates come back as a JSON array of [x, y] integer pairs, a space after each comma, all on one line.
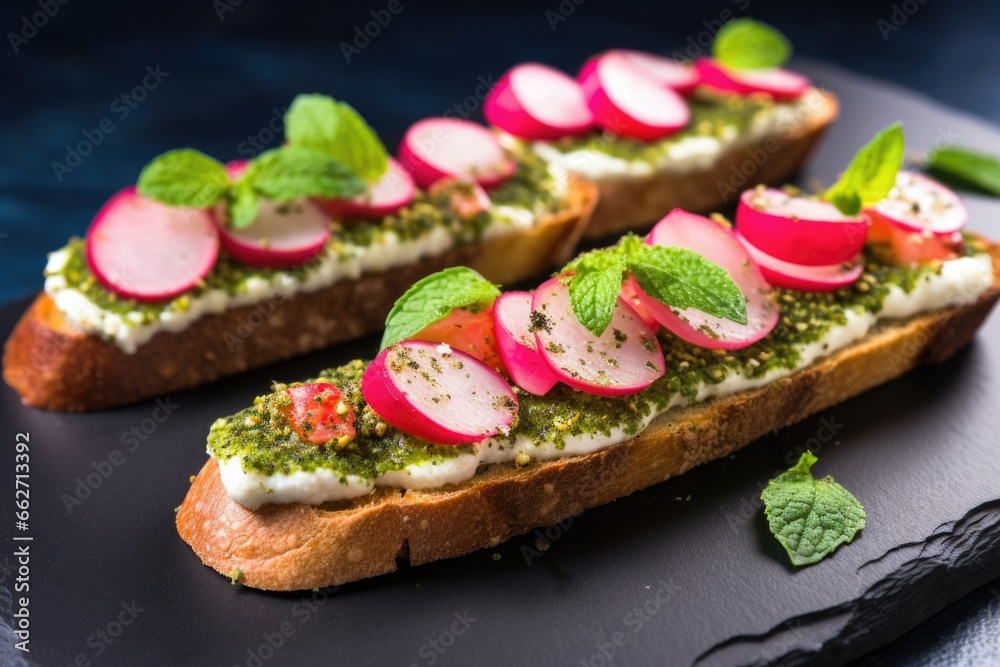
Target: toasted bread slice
[[297, 546], [54, 366], [633, 202]]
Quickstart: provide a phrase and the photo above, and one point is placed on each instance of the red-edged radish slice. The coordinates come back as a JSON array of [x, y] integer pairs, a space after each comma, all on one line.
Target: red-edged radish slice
[[667, 72], [438, 394], [781, 84], [469, 331], [632, 298], [628, 101], [909, 248], [436, 148], [144, 250], [625, 359], [535, 101], [920, 204], [282, 236], [804, 278], [799, 229], [384, 197], [719, 245], [512, 325]]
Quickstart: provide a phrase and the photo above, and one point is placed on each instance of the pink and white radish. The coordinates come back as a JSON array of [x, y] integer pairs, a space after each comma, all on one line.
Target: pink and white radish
[[436, 148], [512, 330], [627, 100], [781, 84], [801, 277], [282, 236], [632, 298], [719, 245], [920, 204], [442, 395], [384, 197], [667, 72], [625, 359], [799, 229], [535, 101], [144, 250]]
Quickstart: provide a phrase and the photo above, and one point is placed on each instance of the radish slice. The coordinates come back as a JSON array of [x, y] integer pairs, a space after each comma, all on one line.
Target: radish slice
[[436, 148], [384, 197], [144, 250], [801, 277], [625, 359], [535, 101], [920, 204], [914, 247], [512, 328], [781, 84], [666, 71], [438, 394], [719, 245], [632, 298], [283, 235], [799, 229], [628, 101]]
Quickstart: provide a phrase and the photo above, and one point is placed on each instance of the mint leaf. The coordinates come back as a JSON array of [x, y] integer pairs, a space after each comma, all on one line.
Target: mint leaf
[[594, 288], [969, 169], [810, 517], [244, 205], [323, 124], [184, 177], [682, 279], [749, 44], [872, 172], [433, 298], [290, 172]]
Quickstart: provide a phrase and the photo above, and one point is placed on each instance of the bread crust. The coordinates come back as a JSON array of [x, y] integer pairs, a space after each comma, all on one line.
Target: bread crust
[[54, 366], [631, 202], [297, 546]]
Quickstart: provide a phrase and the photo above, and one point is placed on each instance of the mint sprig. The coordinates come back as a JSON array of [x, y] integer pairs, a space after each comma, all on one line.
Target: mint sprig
[[748, 44], [431, 299], [676, 277], [966, 168], [872, 172], [184, 177], [321, 123], [810, 517]]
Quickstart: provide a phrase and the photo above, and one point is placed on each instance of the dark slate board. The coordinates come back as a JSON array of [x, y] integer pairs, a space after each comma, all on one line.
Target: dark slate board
[[681, 573]]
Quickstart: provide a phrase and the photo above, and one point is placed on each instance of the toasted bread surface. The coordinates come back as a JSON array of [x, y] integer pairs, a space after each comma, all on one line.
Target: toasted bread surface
[[633, 202], [54, 366], [297, 546]]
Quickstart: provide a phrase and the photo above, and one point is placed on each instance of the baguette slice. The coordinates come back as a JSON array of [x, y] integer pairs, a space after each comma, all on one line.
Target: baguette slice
[[635, 202], [297, 546], [54, 366]]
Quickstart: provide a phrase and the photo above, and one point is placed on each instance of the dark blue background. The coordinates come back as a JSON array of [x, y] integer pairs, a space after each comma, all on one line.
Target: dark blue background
[[226, 76]]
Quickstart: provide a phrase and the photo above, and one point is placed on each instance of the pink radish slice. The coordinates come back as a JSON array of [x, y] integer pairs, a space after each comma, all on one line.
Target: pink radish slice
[[535, 101], [625, 359], [632, 299], [920, 204], [719, 245], [799, 229], [144, 250], [438, 394], [801, 277], [436, 148], [384, 197], [781, 84], [630, 102], [282, 236], [511, 326], [666, 71]]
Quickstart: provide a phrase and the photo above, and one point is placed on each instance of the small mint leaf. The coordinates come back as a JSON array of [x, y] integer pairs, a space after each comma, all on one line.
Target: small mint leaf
[[184, 177], [312, 121], [749, 44], [290, 172], [970, 169], [433, 298], [810, 517], [323, 124], [872, 172], [244, 206]]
